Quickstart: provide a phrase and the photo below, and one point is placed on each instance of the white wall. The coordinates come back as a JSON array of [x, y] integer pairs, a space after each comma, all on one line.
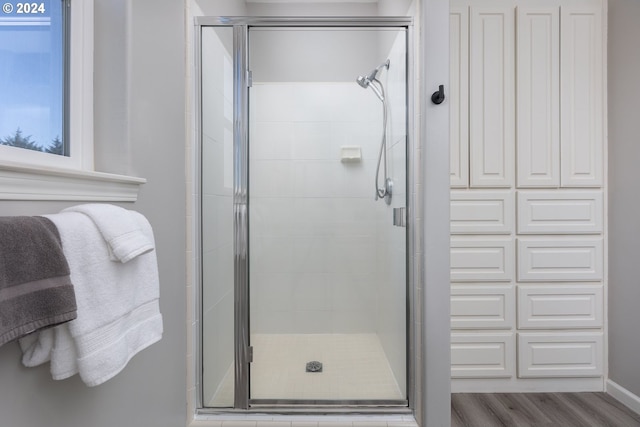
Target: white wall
[[433, 193], [216, 8], [145, 114], [312, 9], [624, 209], [312, 217], [322, 55], [335, 277]]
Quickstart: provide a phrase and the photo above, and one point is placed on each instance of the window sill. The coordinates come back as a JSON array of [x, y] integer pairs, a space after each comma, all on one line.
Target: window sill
[[24, 182]]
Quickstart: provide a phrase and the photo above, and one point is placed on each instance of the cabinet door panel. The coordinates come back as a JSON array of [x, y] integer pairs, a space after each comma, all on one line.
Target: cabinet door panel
[[538, 94], [482, 212], [549, 259], [560, 212], [459, 96], [482, 259], [478, 306], [491, 101], [581, 95], [557, 306], [482, 355], [570, 354]]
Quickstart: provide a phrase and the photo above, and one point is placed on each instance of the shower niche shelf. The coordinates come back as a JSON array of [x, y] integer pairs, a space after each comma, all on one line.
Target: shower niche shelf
[[350, 154]]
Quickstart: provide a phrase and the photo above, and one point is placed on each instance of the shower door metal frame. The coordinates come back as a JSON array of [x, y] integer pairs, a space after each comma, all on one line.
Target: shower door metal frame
[[243, 356]]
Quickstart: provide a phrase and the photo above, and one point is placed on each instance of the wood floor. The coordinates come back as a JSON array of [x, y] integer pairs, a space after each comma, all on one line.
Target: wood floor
[[540, 410]]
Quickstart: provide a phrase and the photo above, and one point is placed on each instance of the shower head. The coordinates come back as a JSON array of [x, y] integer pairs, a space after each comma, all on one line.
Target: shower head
[[365, 81]]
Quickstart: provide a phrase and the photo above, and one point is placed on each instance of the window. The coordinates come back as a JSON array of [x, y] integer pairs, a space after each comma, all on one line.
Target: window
[[45, 66], [32, 76], [46, 95]]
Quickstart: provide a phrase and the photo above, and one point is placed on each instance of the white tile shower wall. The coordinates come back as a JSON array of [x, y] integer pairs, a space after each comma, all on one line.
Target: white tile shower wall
[[217, 225], [313, 217]]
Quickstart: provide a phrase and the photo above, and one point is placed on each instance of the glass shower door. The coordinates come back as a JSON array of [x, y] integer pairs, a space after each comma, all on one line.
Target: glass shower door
[[217, 201], [327, 265]]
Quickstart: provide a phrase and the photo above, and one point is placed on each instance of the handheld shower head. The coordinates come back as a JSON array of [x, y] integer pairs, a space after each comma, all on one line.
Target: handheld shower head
[[365, 81], [371, 80]]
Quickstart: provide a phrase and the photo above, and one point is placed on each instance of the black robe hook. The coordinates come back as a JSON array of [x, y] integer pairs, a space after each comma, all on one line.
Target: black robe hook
[[438, 96]]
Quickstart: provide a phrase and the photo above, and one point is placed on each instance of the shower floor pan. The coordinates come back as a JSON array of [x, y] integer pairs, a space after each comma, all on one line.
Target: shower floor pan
[[354, 367]]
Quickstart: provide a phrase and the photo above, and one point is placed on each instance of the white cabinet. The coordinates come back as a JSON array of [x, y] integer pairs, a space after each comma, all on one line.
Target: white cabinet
[[582, 101], [527, 108], [481, 306], [459, 96], [560, 306], [560, 259], [491, 96], [538, 93], [561, 354], [560, 212], [560, 97], [482, 355], [482, 212], [551, 60], [482, 259]]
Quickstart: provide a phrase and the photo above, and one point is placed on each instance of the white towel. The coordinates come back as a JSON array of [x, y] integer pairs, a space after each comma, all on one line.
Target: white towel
[[36, 347], [120, 230], [53, 345], [118, 306]]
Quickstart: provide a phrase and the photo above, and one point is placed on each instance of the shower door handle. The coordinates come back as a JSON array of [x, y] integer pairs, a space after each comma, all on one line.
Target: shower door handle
[[240, 227], [400, 217]]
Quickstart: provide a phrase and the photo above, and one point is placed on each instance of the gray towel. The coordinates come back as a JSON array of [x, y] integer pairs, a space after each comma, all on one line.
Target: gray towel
[[35, 285]]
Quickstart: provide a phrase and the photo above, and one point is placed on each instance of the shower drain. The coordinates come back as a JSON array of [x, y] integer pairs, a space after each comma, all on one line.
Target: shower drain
[[314, 366]]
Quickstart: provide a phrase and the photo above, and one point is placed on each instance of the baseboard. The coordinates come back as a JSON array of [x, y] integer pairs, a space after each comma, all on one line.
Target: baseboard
[[623, 396], [527, 385]]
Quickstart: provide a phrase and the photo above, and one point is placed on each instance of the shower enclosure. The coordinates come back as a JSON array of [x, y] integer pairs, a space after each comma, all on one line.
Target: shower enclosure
[[305, 291]]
